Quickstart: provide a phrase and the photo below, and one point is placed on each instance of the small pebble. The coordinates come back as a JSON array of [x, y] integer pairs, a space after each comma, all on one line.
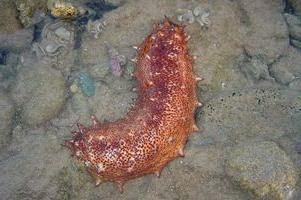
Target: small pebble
[[50, 48], [63, 33], [74, 88]]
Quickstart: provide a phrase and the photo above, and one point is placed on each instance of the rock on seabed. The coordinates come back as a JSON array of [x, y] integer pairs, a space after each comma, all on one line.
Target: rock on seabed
[[40, 92], [263, 169]]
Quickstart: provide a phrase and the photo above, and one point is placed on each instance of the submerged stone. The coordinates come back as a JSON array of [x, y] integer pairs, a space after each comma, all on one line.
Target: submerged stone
[[40, 93], [263, 169]]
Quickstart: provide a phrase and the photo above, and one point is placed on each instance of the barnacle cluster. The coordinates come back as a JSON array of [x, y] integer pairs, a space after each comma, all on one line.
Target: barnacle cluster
[[96, 27], [198, 14]]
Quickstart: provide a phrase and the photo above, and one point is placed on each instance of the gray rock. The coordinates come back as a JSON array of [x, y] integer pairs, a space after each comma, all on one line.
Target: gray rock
[[255, 69], [281, 74], [263, 169], [6, 118], [294, 26], [270, 41], [296, 84], [40, 91], [63, 33], [290, 62]]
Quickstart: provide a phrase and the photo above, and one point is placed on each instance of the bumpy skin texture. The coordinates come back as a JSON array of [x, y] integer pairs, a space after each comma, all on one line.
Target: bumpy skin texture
[[156, 129]]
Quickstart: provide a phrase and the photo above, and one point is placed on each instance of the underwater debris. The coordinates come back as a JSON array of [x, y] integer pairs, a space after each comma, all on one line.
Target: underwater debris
[[64, 10], [86, 83], [96, 27], [186, 17], [57, 39], [116, 61], [198, 14], [202, 16]]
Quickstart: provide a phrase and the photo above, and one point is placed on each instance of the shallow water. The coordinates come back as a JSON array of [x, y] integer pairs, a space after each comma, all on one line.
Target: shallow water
[[56, 71]]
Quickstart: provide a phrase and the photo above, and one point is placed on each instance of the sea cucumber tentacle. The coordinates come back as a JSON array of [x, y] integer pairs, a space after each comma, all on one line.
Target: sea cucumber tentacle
[[156, 129]]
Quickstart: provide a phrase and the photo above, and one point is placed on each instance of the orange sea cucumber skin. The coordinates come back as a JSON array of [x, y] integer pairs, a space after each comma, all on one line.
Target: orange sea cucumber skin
[[156, 129]]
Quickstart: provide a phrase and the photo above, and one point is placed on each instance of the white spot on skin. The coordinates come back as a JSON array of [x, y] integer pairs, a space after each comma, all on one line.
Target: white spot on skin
[[77, 153], [150, 83], [160, 34], [130, 169], [100, 137], [90, 139], [112, 154], [172, 55], [87, 163], [100, 168], [177, 36]]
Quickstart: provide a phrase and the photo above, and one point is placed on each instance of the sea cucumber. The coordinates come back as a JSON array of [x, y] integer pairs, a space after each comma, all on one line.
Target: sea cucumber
[[156, 129]]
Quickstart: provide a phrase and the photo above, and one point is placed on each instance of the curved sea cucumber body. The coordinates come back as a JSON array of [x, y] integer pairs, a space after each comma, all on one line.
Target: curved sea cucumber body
[[156, 129]]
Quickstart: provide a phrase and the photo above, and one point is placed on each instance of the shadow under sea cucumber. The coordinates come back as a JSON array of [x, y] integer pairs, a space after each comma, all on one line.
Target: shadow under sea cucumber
[[156, 129]]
